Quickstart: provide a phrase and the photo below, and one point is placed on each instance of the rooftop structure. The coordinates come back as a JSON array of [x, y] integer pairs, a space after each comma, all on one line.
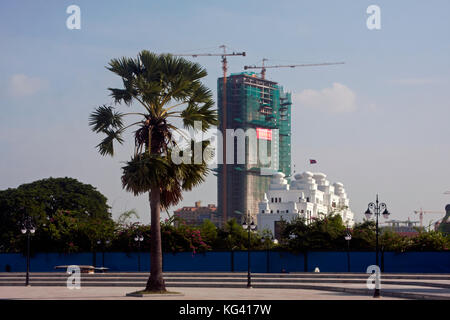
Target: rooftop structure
[[309, 196], [194, 216], [405, 228]]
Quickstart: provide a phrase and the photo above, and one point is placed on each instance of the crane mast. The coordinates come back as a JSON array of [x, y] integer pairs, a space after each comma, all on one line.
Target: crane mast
[[224, 56], [421, 212]]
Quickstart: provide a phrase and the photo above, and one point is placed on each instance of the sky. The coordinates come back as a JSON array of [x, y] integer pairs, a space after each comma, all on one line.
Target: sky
[[379, 123]]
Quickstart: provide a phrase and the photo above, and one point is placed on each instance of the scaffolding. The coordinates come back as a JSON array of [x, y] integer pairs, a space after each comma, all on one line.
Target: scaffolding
[[255, 103]]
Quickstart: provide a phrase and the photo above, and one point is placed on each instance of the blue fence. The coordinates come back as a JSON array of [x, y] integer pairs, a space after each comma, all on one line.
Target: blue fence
[[261, 261]]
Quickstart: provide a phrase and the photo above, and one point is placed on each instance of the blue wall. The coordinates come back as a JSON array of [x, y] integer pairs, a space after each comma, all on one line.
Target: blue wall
[[408, 262]]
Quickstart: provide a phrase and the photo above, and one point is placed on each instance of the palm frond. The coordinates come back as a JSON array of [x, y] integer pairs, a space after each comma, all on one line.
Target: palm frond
[[143, 172], [105, 118], [106, 147], [121, 95], [125, 68], [203, 113]]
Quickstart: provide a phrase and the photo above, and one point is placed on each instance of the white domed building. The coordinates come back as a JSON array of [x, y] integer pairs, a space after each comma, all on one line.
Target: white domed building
[[309, 195]]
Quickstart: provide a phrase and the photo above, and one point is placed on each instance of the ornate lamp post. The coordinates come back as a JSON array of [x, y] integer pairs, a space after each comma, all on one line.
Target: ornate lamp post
[[348, 237], [377, 209], [28, 228], [249, 227], [138, 239]]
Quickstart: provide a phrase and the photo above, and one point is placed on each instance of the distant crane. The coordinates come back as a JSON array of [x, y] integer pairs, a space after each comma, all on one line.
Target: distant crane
[[263, 67], [224, 56], [421, 212]]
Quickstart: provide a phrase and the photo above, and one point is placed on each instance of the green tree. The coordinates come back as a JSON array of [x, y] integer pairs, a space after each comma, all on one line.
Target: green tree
[[209, 231], [57, 206], [233, 237], [327, 233], [363, 235], [267, 239], [320, 234], [393, 241], [430, 241], [165, 87], [126, 216]]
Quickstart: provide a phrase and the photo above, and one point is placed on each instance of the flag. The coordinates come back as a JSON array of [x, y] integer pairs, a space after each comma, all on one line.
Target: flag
[[312, 161]]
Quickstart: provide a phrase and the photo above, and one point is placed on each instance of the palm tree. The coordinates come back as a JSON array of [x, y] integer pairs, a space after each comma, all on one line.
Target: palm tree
[[166, 87]]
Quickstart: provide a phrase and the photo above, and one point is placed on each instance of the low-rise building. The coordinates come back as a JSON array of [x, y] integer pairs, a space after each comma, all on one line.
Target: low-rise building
[[309, 196], [194, 216], [405, 228]]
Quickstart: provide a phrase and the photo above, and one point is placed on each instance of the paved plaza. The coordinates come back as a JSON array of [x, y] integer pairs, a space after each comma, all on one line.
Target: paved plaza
[[228, 286], [118, 293]]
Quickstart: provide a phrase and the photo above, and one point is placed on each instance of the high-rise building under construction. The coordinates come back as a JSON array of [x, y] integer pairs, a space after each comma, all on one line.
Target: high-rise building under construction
[[262, 105]]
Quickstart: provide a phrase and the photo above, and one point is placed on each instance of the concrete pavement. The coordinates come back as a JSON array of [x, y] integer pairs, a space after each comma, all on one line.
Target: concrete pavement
[[227, 285], [118, 293]]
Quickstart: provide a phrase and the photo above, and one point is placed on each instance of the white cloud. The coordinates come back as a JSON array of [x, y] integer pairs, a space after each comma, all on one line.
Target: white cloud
[[21, 85], [337, 99]]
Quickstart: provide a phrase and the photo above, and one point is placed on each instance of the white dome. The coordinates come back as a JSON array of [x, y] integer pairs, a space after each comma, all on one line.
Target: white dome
[[279, 175], [308, 174], [320, 175], [298, 176]]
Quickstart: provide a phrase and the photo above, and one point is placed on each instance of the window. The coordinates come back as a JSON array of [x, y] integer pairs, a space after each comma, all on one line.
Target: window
[[287, 211], [278, 211], [307, 199], [276, 199], [279, 199], [302, 211], [262, 211], [271, 211], [271, 199], [299, 199]]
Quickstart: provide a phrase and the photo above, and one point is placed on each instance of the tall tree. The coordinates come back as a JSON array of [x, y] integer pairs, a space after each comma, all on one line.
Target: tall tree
[[57, 206], [166, 87]]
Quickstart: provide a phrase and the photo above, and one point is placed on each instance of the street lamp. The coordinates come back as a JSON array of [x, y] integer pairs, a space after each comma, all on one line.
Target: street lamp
[[105, 243], [348, 237], [377, 209], [28, 228], [138, 239], [249, 227]]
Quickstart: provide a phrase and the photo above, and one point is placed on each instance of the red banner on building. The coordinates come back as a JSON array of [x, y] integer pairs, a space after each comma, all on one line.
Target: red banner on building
[[265, 134]]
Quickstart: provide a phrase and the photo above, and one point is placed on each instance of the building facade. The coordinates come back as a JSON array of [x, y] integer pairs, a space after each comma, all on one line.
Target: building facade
[[444, 225], [310, 196], [261, 105], [405, 228], [194, 216]]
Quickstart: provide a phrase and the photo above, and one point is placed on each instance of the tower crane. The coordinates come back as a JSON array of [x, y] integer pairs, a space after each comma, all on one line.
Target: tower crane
[[421, 212], [263, 67], [224, 56]]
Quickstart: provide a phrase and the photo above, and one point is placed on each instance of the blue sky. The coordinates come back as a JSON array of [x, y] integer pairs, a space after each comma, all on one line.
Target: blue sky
[[379, 123]]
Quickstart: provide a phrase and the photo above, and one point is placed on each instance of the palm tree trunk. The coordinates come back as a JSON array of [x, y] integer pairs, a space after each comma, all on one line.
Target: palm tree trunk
[[155, 281]]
